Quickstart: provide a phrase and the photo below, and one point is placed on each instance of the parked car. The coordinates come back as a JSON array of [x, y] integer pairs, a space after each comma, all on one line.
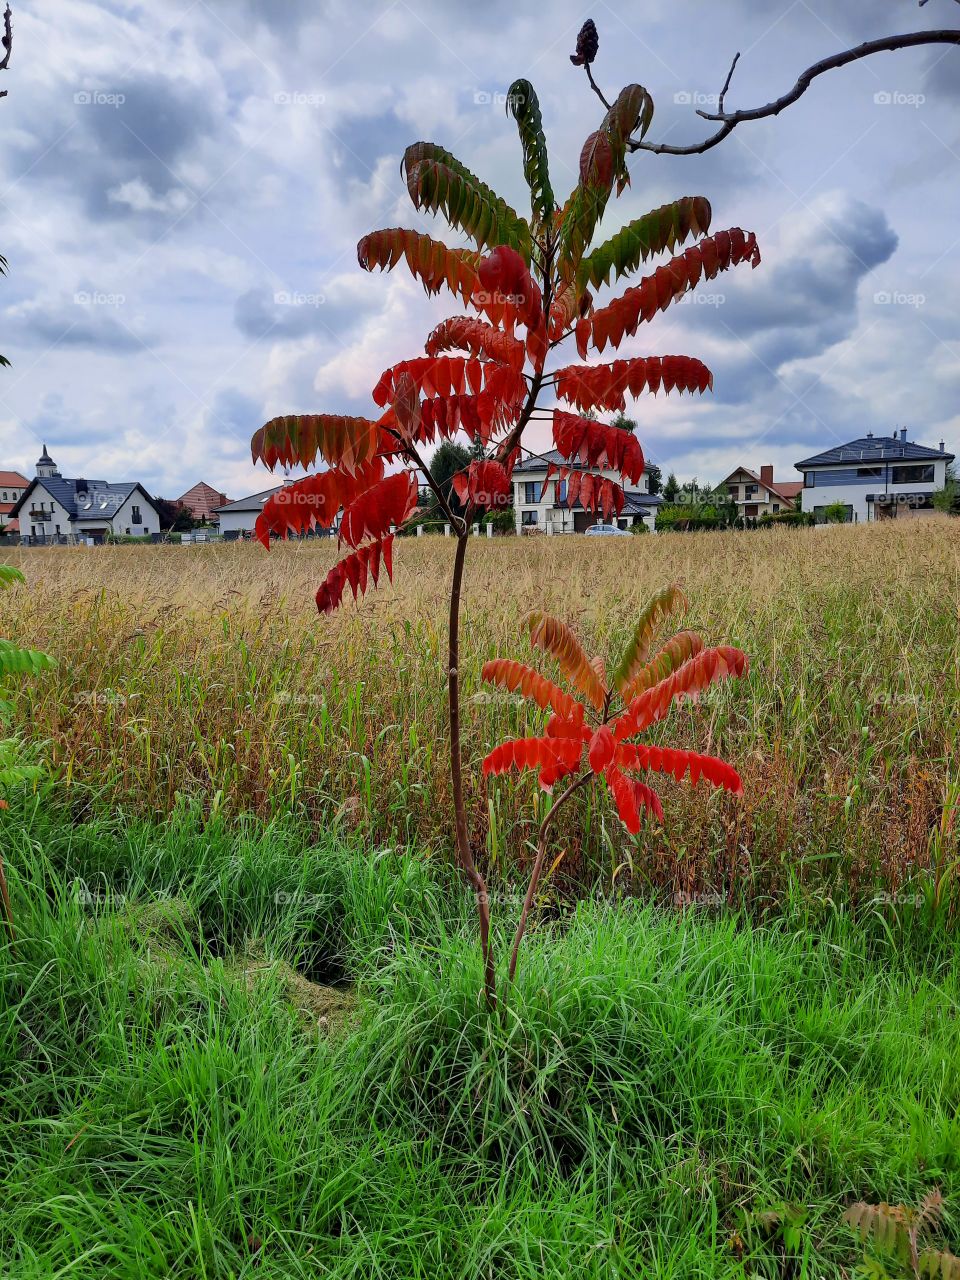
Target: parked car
[[607, 530]]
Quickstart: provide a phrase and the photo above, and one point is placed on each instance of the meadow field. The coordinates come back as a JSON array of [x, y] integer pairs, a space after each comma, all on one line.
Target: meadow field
[[241, 1029], [205, 672]]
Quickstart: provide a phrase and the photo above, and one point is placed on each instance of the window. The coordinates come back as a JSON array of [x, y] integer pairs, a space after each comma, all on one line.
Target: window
[[776, 507], [869, 473], [528, 517], [58, 529], [136, 516], [751, 490], [128, 528], [531, 491], [4, 495], [561, 491], [734, 490], [809, 479], [922, 474]]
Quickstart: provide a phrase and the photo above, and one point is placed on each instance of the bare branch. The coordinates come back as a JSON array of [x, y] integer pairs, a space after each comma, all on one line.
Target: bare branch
[[728, 120], [7, 41]]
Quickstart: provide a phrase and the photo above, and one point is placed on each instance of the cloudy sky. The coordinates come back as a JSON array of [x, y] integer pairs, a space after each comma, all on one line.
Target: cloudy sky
[[183, 185]]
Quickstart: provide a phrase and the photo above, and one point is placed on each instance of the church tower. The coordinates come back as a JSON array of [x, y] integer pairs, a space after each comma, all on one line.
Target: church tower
[[46, 467]]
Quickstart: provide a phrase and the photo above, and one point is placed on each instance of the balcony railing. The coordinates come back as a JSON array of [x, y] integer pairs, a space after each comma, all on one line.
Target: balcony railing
[[38, 517]]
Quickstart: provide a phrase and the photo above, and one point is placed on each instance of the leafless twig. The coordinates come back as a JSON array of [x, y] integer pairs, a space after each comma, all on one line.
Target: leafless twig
[[7, 41], [728, 120]]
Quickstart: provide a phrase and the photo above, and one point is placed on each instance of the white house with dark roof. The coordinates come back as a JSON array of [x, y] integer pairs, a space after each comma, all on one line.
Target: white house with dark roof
[[56, 509], [238, 518], [542, 505], [875, 477]]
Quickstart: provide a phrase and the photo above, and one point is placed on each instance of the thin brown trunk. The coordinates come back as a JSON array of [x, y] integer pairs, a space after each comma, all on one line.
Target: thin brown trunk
[[537, 871], [464, 854]]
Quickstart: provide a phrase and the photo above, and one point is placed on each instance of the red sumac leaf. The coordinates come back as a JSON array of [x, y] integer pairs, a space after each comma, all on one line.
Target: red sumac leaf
[[355, 570], [597, 445], [372, 514]]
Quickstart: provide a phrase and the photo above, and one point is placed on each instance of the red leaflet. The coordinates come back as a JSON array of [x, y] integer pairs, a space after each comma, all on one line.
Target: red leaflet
[[355, 570], [372, 514], [484, 484], [507, 292], [596, 160], [297, 438], [446, 375], [433, 264], [481, 417], [405, 415], [515, 675], [478, 337], [605, 386], [597, 445], [313, 501], [654, 293], [688, 681], [601, 749], [532, 753], [630, 797], [718, 773], [566, 307]]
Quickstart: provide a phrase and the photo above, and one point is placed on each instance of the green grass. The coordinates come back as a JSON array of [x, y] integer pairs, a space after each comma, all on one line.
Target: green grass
[[180, 1096]]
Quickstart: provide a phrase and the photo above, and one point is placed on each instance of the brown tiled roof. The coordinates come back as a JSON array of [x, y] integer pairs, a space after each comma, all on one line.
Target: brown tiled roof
[[202, 501]]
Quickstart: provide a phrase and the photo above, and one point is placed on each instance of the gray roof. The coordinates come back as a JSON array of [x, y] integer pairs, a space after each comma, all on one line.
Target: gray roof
[[254, 502], [874, 449], [97, 500]]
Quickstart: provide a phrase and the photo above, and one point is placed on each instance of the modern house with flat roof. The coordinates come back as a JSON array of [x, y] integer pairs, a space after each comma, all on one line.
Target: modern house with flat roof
[[541, 505], [875, 477]]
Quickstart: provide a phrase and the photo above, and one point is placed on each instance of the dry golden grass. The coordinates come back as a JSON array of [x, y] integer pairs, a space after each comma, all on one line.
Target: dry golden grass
[[206, 671]]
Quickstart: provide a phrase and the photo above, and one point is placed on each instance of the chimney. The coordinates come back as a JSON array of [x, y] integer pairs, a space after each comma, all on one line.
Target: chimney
[[766, 476], [942, 449], [81, 486], [869, 435], [903, 435]]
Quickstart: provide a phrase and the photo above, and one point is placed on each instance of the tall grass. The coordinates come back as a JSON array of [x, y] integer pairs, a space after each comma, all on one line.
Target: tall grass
[[170, 1106], [205, 671]]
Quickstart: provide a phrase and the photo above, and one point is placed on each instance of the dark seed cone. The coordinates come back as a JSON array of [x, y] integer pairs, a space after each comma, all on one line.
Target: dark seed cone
[[588, 42]]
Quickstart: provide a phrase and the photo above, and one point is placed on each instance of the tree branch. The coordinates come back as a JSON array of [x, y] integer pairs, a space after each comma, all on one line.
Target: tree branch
[[7, 41], [728, 120]]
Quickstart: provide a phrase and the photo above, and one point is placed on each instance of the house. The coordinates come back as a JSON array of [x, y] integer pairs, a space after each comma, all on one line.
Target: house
[[760, 495], [543, 506], [875, 478], [55, 509], [238, 518], [202, 502], [12, 485]]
